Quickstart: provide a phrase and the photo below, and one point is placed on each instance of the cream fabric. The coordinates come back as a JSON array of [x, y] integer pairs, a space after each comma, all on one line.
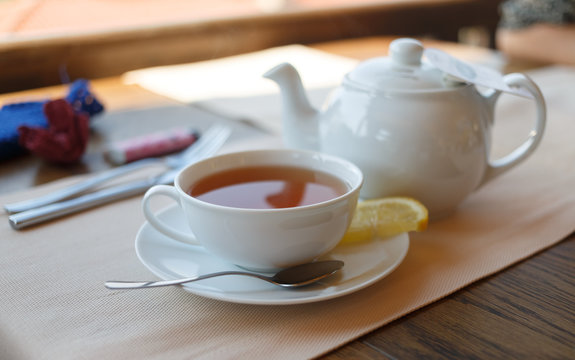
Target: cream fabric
[[54, 304]]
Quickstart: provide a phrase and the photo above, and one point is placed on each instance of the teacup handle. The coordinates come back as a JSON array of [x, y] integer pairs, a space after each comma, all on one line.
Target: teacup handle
[[499, 166], [161, 226]]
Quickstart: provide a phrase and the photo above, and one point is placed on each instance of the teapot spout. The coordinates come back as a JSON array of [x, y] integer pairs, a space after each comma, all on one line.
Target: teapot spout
[[299, 118]]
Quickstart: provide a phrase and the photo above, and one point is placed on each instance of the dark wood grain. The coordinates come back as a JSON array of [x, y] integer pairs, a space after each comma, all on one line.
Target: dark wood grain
[[524, 312]]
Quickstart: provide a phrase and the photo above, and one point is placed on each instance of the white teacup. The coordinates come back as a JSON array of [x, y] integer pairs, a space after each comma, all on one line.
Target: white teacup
[[262, 239]]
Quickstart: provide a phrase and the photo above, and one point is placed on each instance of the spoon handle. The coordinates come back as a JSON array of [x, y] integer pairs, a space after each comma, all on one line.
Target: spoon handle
[[123, 285]]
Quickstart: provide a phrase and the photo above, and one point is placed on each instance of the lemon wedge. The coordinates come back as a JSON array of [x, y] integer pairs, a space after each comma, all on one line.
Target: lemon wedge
[[386, 217]]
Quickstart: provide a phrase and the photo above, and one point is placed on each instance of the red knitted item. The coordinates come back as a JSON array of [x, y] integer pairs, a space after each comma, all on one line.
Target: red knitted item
[[65, 139]]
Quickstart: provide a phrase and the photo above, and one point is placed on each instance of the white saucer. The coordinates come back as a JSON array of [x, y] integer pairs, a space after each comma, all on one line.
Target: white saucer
[[365, 263]]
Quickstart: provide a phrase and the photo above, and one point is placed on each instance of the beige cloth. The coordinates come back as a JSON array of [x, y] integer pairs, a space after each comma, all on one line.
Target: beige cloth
[[54, 304]]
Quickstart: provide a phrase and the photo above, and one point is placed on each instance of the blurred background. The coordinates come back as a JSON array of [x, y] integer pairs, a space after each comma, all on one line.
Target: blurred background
[[42, 42]]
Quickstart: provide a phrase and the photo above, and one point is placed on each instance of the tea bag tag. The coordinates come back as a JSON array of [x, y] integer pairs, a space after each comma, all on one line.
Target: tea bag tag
[[472, 73]]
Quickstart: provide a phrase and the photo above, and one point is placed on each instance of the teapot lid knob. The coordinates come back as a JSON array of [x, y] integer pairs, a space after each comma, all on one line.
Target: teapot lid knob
[[406, 52], [403, 70]]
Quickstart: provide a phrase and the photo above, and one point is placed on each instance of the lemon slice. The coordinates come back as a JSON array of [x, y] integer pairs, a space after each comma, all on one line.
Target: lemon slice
[[386, 217]]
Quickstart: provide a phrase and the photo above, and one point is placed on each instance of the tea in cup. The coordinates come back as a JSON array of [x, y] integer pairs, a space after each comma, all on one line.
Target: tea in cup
[[265, 209]]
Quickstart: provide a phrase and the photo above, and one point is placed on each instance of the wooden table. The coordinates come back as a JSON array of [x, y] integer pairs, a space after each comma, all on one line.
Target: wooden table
[[531, 304]]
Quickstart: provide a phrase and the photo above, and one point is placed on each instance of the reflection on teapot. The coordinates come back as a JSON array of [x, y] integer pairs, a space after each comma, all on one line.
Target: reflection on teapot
[[411, 129]]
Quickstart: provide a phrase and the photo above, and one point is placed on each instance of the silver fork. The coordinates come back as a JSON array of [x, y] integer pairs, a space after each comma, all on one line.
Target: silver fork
[[176, 161], [206, 146]]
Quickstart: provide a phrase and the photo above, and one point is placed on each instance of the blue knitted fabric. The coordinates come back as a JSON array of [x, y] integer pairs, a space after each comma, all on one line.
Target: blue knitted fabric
[[82, 99], [12, 116]]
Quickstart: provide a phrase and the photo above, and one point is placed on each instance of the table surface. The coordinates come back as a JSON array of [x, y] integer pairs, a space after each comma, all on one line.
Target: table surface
[[528, 305]]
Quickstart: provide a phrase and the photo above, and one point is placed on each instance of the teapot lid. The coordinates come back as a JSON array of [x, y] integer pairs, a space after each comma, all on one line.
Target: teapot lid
[[403, 70]]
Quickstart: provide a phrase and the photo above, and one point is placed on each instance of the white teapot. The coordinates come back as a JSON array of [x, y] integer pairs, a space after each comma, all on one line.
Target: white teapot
[[411, 129]]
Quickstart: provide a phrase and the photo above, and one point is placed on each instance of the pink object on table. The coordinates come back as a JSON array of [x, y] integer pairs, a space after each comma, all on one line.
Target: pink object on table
[[150, 145]]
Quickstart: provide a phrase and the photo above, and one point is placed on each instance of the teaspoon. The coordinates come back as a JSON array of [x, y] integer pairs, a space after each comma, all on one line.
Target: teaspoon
[[296, 276]]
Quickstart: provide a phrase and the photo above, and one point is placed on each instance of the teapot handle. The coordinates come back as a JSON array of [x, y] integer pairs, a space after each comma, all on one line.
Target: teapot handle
[[499, 166]]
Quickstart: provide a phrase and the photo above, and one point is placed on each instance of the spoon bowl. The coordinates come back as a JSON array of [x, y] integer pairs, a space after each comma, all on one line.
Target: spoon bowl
[[293, 277]]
